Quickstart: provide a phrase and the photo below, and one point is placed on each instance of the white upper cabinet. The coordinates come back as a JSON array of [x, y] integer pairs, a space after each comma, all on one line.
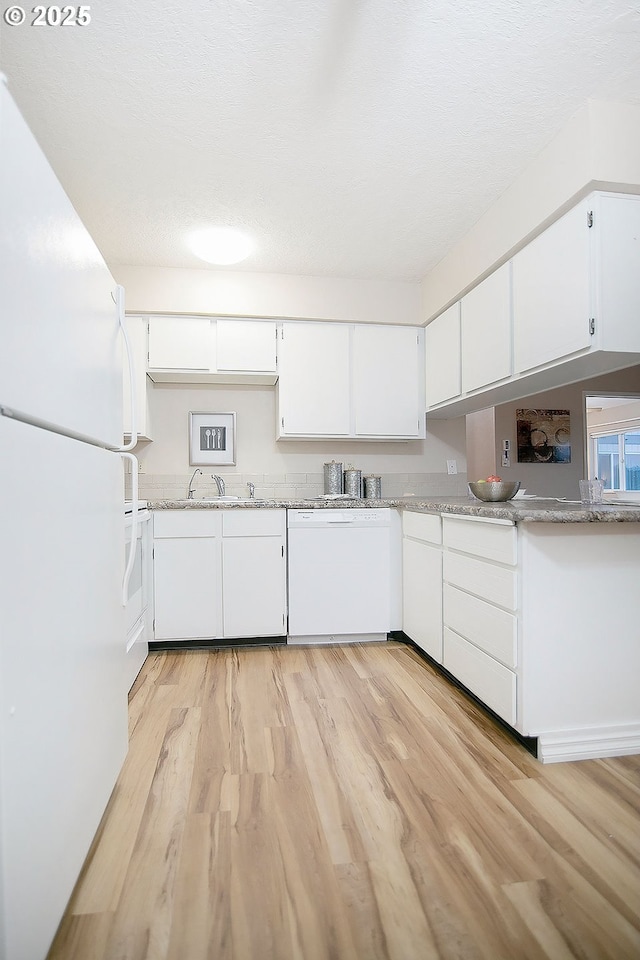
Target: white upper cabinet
[[617, 295], [209, 350], [350, 380], [313, 386], [179, 343], [387, 381], [551, 292], [575, 294], [486, 331], [137, 334], [442, 345], [245, 345]]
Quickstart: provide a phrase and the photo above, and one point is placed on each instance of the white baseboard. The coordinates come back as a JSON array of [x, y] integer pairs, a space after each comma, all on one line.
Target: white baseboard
[[589, 743]]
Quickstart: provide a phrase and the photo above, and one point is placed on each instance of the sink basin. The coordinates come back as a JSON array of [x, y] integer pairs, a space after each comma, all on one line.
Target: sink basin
[[226, 499]]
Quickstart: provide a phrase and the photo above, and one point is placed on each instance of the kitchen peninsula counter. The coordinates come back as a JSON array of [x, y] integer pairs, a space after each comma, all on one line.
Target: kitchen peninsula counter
[[517, 511]]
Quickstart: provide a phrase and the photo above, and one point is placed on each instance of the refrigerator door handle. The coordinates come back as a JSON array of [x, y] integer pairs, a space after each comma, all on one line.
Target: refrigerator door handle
[[119, 301], [134, 523]]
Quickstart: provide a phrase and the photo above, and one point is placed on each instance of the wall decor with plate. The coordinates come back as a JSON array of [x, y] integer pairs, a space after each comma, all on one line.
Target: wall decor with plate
[[212, 439], [544, 436]]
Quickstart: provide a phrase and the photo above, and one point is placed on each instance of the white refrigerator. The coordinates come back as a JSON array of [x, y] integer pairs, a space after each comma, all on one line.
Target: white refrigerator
[[63, 704]]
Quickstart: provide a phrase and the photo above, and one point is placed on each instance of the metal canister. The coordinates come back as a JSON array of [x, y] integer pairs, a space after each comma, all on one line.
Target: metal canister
[[353, 482], [373, 488], [333, 478]]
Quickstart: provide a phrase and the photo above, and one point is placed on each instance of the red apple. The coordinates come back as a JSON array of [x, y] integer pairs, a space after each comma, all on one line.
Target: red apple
[[493, 479]]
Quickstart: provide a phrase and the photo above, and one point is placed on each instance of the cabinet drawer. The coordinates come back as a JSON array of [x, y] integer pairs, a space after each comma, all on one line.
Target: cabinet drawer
[[422, 526], [493, 683], [482, 538], [253, 522], [486, 580], [493, 630], [187, 523]]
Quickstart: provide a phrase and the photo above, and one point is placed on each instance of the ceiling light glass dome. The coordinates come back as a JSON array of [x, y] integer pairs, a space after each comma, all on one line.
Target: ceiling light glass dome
[[220, 245]]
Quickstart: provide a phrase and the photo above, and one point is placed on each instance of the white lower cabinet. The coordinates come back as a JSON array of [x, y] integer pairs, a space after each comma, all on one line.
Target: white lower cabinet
[[254, 575], [185, 573], [480, 644], [422, 581], [539, 623], [219, 574], [491, 682]]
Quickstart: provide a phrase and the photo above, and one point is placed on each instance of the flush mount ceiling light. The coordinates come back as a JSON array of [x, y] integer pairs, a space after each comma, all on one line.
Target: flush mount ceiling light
[[220, 245]]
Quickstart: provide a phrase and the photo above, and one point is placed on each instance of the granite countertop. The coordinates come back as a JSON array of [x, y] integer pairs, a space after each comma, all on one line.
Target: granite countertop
[[519, 511]]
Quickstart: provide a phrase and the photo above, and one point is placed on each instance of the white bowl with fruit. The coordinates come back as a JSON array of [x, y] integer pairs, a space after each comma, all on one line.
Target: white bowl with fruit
[[494, 489]]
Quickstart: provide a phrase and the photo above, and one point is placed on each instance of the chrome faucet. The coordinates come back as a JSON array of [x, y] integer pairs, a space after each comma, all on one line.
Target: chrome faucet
[[219, 484], [190, 491], [252, 490]]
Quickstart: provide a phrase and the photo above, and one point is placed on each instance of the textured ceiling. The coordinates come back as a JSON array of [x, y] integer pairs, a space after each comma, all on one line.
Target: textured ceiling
[[354, 138]]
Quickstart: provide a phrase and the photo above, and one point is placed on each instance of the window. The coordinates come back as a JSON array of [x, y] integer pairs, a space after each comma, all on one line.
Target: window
[[616, 458], [612, 441]]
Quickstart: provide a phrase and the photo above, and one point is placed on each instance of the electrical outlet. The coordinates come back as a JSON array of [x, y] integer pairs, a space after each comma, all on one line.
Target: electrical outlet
[[140, 467], [452, 467], [506, 459]]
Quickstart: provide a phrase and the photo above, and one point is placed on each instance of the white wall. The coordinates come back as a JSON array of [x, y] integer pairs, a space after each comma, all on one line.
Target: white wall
[[557, 479], [622, 417], [598, 149], [212, 291], [481, 444], [258, 453]]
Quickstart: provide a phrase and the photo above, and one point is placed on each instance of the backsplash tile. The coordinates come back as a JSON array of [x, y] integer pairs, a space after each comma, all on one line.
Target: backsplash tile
[[291, 485]]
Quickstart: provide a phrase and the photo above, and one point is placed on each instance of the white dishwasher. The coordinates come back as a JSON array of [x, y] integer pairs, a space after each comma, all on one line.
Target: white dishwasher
[[339, 575]]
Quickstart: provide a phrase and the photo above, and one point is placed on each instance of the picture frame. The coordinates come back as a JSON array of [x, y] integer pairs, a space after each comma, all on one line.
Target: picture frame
[[212, 439], [543, 436]]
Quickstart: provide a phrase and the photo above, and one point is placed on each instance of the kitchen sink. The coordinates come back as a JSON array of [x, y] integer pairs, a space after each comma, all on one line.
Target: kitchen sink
[[230, 500]]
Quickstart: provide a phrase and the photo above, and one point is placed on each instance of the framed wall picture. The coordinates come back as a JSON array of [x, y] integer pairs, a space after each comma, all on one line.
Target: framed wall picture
[[544, 436], [212, 439]]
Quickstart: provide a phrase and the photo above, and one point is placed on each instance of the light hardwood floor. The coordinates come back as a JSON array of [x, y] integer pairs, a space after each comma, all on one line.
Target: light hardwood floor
[[348, 802]]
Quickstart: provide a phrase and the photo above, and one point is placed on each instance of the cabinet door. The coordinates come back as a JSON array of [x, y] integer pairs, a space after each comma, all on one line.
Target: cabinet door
[[246, 345], [442, 345], [180, 343], [137, 333], [617, 230], [387, 381], [422, 595], [551, 301], [186, 588], [253, 586], [313, 386], [486, 331]]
